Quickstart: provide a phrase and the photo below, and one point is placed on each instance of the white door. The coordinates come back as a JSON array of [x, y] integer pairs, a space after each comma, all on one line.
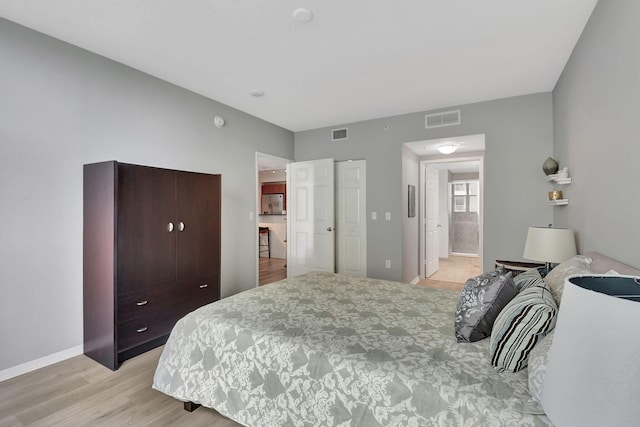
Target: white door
[[351, 213], [310, 217], [430, 220]]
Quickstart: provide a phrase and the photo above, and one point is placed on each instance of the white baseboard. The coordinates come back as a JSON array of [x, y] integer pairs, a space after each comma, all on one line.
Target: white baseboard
[[415, 280], [40, 363]]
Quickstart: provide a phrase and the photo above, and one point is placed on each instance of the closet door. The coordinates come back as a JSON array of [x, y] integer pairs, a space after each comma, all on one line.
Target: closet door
[[198, 225], [146, 232]]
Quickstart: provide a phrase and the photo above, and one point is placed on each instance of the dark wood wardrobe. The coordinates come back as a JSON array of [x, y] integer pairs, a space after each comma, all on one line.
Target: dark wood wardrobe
[[151, 255]]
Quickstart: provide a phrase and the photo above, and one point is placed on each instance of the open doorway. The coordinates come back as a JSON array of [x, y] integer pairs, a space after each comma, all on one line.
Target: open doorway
[[450, 226], [271, 219]]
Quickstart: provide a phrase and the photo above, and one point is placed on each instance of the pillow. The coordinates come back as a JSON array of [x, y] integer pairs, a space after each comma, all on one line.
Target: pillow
[[538, 365], [481, 300], [528, 279], [519, 326], [572, 267]]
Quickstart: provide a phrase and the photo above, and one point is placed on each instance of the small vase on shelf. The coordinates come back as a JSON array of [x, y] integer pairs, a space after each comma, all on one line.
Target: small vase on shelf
[[550, 166]]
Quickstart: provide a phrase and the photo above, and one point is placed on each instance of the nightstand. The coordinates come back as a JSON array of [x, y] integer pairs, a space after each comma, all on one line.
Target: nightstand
[[517, 267]]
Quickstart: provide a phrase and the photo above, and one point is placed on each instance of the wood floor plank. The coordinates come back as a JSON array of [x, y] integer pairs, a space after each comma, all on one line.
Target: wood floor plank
[[81, 392], [272, 270], [10, 421]]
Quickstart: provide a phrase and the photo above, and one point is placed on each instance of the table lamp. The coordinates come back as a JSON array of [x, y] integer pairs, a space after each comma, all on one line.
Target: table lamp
[[593, 372], [549, 245]]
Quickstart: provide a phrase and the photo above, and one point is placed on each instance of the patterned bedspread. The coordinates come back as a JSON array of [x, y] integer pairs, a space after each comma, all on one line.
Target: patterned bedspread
[[331, 350]]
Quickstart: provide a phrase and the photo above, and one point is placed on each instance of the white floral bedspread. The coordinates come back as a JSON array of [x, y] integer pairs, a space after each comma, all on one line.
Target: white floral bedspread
[[331, 350]]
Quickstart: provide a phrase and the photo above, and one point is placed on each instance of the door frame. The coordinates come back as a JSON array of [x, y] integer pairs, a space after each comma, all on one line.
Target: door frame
[[256, 213], [463, 157]]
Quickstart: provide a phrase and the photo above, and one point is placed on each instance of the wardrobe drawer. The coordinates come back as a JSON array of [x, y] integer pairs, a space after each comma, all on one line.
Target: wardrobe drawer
[[206, 289], [138, 331], [154, 301]]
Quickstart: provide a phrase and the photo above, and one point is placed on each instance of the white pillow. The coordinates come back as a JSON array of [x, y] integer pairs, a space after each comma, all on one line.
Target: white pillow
[[574, 266]]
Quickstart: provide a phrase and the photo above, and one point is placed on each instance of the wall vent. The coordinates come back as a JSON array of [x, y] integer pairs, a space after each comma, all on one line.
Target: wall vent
[[446, 118], [339, 134]]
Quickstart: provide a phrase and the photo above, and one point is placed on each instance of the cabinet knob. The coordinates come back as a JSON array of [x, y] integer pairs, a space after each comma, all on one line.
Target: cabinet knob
[[143, 329], [204, 286], [181, 226], [170, 227], [139, 303]]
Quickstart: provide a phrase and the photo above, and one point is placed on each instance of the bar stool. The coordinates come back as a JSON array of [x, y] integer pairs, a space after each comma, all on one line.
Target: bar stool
[[261, 246]]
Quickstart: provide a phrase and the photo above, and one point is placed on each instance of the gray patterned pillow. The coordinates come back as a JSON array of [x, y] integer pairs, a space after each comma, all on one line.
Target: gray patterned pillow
[[538, 365], [480, 303], [528, 279], [573, 266], [522, 323]]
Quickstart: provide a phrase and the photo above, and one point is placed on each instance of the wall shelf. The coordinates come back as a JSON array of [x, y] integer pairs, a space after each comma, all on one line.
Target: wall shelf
[[554, 178], [559, 202]]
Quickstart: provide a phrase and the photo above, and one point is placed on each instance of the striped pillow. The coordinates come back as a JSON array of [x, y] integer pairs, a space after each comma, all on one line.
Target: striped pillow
[[528, 279], [519, 326]]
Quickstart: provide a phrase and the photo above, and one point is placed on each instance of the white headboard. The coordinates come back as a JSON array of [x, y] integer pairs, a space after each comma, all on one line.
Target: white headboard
[[601, 264]]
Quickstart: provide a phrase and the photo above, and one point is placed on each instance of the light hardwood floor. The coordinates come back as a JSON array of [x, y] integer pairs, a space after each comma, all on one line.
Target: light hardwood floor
[[272, 270], [453, 272], [81, 392]]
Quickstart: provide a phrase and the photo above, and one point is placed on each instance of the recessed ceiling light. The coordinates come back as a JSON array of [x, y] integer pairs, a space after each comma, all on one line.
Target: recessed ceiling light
[[302, 15], [256, 92], [447, 149]]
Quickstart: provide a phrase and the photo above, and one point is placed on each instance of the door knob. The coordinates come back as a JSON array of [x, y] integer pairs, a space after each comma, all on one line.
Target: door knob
[[170, 227], [181, 226]]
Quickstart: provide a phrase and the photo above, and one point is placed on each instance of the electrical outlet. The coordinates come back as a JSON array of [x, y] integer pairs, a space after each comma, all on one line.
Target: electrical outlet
[[387, 216], [374, 216], [387, 263]]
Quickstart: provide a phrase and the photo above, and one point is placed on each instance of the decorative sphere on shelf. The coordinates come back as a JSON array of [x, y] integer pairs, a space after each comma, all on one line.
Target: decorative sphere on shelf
[[550, 166]]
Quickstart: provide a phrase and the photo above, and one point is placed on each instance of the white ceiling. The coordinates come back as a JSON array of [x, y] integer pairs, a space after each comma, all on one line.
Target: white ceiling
[[355, 60]]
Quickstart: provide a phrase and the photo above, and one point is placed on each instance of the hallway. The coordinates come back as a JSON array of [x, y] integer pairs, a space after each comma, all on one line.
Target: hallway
[[453, 272]]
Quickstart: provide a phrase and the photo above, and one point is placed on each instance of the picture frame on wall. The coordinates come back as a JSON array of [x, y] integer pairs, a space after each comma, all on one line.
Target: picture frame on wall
[[412, 200]]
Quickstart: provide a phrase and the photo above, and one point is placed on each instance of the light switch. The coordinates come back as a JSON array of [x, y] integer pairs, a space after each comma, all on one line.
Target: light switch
[[388, 216], [374, 216], [250, 216]]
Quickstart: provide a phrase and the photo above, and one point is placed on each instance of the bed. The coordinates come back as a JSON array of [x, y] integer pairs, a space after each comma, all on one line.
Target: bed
[[329, 350], [332, 350]]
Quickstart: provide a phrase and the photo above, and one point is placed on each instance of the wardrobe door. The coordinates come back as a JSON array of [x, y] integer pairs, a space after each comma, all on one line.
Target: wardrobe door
[[146, 227], [198, 224]]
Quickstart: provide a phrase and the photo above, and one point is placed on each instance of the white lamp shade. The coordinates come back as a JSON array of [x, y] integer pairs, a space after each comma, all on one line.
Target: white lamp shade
[[593, 372], [549, 244]]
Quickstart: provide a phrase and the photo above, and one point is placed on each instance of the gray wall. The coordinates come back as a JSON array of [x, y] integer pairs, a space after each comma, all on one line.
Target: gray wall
[[519, 137], [596, 105], [410, 226], [61, 107]]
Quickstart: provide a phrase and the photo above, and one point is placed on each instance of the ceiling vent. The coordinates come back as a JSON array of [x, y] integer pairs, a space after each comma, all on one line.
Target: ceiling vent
[[339, 135], [446, 118]]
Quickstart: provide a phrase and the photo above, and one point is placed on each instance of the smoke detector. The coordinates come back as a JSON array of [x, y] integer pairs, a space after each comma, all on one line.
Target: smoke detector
[[302, 15]]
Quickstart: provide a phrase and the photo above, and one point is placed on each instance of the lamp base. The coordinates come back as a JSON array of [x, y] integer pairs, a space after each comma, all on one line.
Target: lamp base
[[546, 269]]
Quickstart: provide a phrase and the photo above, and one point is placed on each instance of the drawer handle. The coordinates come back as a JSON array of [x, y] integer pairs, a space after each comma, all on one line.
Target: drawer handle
[[204, 286], [139, 303], [143, 329]]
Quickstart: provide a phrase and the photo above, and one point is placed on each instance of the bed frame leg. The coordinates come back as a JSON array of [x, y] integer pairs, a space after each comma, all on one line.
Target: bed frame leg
[[190, 406]]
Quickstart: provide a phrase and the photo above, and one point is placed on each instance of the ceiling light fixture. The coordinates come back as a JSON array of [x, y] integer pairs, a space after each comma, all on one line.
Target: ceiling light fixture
[[302, 15], [256, 92], [447, 149]]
